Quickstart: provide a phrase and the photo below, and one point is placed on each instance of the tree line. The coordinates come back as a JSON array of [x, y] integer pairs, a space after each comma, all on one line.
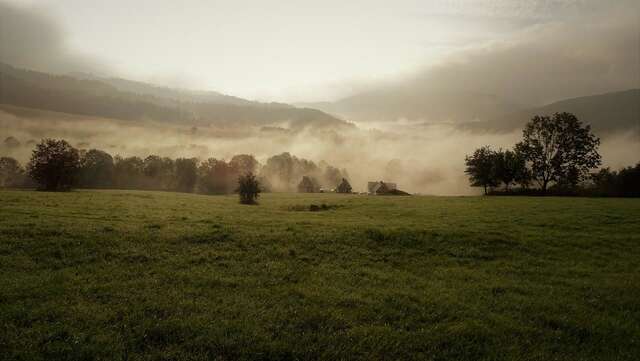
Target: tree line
[[55, 165], [557, 155]]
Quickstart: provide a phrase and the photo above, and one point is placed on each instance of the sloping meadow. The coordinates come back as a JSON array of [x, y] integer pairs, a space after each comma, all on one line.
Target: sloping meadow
[[153, 275]]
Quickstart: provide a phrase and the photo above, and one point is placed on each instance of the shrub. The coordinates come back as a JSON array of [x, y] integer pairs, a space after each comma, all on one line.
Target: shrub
[[248, 188]]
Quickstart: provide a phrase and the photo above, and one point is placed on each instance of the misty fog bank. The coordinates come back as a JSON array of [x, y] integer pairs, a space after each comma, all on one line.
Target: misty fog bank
[[427, 160]]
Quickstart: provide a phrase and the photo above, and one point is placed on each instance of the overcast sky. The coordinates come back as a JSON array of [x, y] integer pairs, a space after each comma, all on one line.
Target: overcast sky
[[285, 50]]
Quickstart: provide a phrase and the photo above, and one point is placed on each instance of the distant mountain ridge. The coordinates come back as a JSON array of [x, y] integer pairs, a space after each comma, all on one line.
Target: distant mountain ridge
[[178, 94], [427, 105], [606, 113], [130, 100], [86, 94]]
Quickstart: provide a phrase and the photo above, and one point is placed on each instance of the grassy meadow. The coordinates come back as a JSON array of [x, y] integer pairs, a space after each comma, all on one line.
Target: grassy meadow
[[134, 275]]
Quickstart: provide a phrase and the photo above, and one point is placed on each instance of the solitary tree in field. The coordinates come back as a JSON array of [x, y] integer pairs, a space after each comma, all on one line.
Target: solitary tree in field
[[54, 165], [248, 188], [344, 186], [481, 168], [560, 149]]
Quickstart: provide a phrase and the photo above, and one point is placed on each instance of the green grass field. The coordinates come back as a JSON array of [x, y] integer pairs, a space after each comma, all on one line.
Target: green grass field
[[117, 275]]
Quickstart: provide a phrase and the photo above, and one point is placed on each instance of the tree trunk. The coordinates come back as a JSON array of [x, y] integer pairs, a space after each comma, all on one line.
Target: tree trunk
[[485, 189]]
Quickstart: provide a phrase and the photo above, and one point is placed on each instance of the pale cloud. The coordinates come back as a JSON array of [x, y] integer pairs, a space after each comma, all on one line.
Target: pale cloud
[[290, 50]]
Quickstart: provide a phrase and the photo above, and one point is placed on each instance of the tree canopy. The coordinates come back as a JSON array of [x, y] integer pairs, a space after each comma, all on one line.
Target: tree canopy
[[510, 167], [481, 168], [559, 149], [556, 150], [96, 169], [186, 174], [54, 165], [308, 185]]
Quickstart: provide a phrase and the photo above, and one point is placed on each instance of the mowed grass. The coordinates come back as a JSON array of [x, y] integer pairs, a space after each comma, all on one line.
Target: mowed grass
[[119, 275]]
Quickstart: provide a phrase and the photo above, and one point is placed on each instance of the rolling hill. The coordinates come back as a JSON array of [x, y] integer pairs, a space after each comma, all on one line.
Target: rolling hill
[[606, 113], [428, 105], [129, 100]]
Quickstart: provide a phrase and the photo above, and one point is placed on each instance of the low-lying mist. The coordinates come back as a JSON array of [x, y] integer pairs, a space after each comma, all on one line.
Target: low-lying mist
[[427, 159]]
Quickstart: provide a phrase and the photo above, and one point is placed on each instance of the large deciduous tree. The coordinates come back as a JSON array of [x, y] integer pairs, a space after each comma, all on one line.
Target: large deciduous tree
[[54, 165], [559, 149], [481, 168]]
